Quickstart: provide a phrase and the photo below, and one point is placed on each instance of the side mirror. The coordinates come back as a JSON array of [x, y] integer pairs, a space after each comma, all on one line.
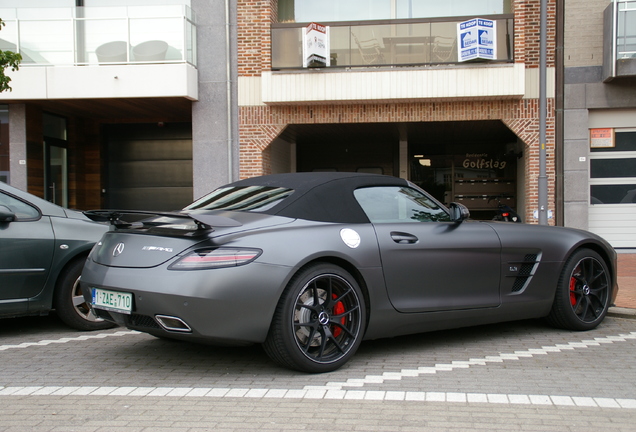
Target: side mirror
[[6, 215], [459, 212]]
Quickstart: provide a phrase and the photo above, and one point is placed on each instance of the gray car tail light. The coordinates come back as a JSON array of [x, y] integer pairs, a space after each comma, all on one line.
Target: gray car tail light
[[216, 257], [171, 323]]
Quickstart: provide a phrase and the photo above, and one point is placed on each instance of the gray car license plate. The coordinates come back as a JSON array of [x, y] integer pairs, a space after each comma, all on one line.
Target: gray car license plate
[[112, 300]]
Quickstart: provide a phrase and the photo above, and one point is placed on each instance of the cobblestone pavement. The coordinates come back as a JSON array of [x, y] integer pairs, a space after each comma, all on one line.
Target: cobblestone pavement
[[521, 376]]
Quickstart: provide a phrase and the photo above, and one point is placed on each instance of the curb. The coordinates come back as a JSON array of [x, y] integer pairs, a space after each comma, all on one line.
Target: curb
[[620, 312]]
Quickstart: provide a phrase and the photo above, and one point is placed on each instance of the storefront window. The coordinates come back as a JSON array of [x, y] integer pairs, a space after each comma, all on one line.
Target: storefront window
[[473, 163], [361, 10], [479, 180]]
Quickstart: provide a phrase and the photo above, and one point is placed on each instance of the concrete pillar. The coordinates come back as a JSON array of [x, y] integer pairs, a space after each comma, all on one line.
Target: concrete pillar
[[18, 146], [215, 144]]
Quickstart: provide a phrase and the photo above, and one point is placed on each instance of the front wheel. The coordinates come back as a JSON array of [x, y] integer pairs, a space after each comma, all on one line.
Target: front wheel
[[70, 304], [319, 321], [583, 292]]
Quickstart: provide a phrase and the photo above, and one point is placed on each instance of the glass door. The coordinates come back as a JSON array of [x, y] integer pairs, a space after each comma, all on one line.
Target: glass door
[[55, 174], [55, 160]]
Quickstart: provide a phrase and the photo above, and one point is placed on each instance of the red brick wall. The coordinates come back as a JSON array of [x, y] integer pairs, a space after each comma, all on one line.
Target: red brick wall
[[253, 35], [260, 125], [527, 32]]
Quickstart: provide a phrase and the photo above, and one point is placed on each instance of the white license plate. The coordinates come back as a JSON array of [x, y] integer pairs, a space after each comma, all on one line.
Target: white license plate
[[112, 300]]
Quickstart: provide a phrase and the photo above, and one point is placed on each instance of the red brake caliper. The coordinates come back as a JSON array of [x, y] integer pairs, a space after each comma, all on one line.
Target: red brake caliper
[[338, 309], [572, 293]]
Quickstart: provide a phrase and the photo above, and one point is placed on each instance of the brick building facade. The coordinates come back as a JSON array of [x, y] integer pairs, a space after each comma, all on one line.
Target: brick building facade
[[262, 123], [243, 105]]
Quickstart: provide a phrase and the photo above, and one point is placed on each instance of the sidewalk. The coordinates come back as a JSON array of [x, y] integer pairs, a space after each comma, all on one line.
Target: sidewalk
[[625, 306], [626, 280]]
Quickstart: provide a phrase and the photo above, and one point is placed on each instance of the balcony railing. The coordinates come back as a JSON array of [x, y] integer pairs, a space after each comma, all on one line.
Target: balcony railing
[[619, 40], [386, 43], [100, 35], [626, 29]]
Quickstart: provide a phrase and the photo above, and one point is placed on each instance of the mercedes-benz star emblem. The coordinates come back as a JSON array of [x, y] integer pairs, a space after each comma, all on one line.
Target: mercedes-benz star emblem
[[118, 249]]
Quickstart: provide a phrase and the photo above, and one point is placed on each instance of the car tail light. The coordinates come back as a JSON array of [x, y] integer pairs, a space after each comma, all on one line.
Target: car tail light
[[215, 258]]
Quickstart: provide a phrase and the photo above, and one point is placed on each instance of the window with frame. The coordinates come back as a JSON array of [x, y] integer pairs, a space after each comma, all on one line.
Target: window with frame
[[22, 210], [613, 171], [626, 29], [394, 204]]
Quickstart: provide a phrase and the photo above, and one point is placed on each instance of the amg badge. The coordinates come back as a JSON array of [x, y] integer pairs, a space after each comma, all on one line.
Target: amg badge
[[156, 248]]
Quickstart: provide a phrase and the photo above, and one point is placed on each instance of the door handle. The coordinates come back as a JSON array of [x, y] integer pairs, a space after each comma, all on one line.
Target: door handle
[[403, 238]]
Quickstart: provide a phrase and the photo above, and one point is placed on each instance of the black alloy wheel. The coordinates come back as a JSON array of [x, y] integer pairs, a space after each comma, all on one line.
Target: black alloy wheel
[[583, 293], [319, 322]]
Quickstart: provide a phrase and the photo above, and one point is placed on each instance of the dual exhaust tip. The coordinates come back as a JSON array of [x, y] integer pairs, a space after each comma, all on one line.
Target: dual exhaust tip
[[173, 324]]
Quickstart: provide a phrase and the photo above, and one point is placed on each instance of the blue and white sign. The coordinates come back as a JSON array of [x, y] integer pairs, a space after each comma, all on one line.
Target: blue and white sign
[[477, 39]]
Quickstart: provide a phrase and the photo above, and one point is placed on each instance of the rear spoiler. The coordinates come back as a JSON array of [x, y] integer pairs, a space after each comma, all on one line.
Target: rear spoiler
[[204, 221]]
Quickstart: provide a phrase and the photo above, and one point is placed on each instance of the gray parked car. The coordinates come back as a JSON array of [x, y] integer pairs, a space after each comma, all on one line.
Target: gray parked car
[[310, 264], [42, 252]]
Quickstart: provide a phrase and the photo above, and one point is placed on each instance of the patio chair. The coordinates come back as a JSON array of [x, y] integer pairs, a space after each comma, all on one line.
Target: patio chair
[[444, 50], [370, 50]]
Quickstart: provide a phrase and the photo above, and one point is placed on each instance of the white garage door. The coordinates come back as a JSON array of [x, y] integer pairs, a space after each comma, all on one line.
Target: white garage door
[[612, 212]]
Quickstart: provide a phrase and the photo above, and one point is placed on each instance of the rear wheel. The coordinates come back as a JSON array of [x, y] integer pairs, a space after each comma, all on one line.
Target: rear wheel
[[70, 304], [583, 292], [319, 322]]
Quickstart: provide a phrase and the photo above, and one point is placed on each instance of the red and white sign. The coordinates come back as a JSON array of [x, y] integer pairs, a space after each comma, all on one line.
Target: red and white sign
[[316, 46], [602, 138]]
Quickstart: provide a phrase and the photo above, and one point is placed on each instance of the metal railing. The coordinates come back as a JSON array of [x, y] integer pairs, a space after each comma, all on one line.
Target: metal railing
[[626, 29], [100, 35], [386, 43]]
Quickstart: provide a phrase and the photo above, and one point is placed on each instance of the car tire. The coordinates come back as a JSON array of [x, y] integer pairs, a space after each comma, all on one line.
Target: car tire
[[319, 321], [583, 292], [69, 302]]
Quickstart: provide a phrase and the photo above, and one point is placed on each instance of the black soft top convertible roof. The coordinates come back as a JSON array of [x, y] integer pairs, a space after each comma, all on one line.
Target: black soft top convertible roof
[[321, 196]]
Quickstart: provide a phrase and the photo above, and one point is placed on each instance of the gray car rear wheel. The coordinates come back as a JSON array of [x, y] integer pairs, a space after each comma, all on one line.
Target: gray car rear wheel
[[319, 322], [583, 292]]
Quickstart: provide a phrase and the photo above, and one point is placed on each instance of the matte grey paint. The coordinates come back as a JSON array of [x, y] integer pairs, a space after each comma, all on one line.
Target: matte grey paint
[[236, 305]]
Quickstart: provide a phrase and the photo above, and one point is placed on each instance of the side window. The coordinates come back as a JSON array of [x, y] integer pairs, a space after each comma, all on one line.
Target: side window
[[387, 204], [22, 210]]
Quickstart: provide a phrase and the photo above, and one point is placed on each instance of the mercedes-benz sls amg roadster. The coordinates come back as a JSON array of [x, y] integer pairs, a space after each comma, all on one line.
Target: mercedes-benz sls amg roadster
[[311, 264]]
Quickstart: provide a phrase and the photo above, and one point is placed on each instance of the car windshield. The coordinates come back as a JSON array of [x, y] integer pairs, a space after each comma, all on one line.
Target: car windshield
[[244, 198]]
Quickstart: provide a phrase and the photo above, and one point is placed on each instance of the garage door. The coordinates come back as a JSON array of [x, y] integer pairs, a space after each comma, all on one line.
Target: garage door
[[149, 166], [612, 212]]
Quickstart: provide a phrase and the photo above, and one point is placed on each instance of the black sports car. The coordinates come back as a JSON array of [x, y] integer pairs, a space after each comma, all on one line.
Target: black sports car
[[42, 252], [310, 264]]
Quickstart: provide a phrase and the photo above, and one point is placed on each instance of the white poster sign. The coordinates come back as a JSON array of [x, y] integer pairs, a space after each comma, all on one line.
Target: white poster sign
[[477, 39], [316, 46]]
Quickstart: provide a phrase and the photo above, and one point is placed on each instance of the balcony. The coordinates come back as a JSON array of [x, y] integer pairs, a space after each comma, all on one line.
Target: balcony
[[87, 52], [100, 35], [619, 40], [386, 61], [386, 43]]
